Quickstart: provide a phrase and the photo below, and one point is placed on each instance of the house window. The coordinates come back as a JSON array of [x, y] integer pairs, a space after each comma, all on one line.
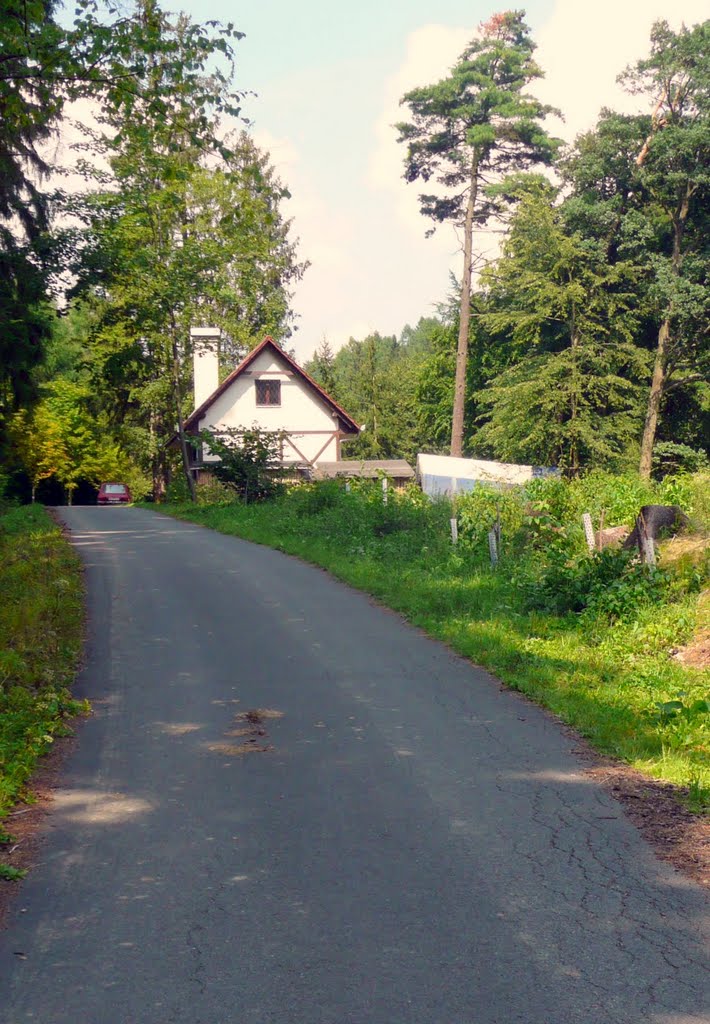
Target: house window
[[268, 392]]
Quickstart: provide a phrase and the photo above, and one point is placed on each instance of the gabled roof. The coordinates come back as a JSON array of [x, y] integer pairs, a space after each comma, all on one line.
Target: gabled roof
[[348, 424]]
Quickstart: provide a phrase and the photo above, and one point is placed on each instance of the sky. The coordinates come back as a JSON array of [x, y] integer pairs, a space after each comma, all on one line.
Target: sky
[[324, 82]]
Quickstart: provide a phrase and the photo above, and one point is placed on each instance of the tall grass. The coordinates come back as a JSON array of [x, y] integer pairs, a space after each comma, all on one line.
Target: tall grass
[[590, 637], [40, 642]]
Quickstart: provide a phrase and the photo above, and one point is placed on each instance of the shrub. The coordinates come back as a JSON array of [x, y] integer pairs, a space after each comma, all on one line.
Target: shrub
[[609, 583], [699, 500], [477, 513], [618, 497], [249, 460], [671, 458], [554, 496], [312, 499]]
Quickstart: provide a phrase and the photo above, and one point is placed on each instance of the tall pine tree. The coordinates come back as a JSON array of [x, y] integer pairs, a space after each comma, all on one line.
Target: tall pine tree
[[474, 126]]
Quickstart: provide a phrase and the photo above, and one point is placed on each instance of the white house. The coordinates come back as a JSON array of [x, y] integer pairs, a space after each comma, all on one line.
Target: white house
[[269, 391]]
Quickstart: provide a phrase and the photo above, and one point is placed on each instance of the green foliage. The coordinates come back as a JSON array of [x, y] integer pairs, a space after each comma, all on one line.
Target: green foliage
[[213, 492], [40, 644], [250, 461], [670, 458], [568, 399], [111, 58], [683, 724], [478, 511], [608, 583], [698, 505], [467, 131], [478, 120], [61, 438], [11, 874]]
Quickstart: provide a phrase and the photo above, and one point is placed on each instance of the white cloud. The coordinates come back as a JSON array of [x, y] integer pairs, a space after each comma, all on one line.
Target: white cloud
[[583, 47], [326, 238], [359, 222], [431, 51]]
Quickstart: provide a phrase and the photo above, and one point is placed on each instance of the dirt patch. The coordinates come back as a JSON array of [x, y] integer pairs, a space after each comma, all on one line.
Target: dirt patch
[[696, 654], [25, 821], [257, 715], [238, 749], [656, 808], [249, 724]]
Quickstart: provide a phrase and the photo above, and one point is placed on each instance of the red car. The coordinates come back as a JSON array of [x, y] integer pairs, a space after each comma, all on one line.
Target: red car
[[113, 494]]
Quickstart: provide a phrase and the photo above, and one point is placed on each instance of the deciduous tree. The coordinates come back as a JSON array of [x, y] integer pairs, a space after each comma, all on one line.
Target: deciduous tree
[[674, 171]]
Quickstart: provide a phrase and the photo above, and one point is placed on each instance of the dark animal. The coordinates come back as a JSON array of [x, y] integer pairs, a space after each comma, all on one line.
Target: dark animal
[[657, 519]]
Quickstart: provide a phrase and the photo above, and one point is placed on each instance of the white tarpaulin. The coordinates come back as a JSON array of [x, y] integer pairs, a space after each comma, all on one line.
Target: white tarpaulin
[[444, 474]]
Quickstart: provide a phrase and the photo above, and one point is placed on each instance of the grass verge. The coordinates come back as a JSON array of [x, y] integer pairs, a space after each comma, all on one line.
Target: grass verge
[[609, 670], [40, 645]]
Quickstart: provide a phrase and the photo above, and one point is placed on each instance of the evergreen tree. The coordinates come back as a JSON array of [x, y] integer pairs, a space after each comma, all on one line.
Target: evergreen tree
[[473, 126], [674, 171], [569, 396]]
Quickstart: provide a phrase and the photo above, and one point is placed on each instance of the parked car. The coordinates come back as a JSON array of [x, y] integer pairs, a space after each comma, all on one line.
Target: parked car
[[114, 494]]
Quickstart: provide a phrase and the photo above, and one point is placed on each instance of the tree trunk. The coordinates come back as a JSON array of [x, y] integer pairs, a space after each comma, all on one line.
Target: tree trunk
[[660, 367], [655, 397], [574, 446], [457, 422], [181, 425]]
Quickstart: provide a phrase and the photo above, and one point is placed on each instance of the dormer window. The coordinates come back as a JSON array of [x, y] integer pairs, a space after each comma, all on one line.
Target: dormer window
[[268, 392]]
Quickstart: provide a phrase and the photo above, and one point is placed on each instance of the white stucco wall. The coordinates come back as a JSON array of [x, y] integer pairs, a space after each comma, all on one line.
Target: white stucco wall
[[301, 411]]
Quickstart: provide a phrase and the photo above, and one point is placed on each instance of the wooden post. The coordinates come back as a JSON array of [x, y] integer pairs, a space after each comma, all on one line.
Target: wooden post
[[589, 531], [493, 547], [384, 490], [600, 539], [454, 531], [645, 542]]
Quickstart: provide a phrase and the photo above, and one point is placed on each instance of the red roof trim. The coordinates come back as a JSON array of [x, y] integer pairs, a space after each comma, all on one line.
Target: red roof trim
[[348, 422]]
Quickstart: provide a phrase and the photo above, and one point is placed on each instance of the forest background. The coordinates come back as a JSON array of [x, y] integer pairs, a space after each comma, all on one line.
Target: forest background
[[585, 340]]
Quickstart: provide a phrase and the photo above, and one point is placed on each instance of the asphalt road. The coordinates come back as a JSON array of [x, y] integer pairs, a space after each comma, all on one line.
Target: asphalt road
[[414, 846]]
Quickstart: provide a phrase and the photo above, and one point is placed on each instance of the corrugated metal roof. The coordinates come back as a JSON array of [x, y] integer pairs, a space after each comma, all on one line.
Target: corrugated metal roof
[[366, 468]]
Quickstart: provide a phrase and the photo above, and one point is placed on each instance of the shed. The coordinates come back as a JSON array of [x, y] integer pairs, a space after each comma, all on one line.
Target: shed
[[447, 475]]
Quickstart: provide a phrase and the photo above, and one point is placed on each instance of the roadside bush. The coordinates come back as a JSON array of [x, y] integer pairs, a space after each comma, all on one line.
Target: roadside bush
[[313, 499], [213, 492], [477, 513], [609, 583], [618, 497], [555, 496]]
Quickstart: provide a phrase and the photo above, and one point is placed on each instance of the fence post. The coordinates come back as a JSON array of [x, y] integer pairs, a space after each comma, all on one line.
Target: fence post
[[347, 487], [493, 547], [645, 542], [384, 490], [589, 531], [454, 531]]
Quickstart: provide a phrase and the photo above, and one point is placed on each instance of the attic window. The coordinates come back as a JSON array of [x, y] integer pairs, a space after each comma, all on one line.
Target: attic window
[[268, 392]]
